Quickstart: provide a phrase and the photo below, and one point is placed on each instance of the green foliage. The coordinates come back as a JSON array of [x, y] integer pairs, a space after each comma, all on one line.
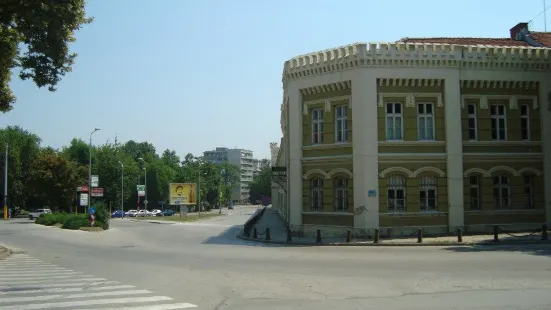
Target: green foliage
[[45, 28], [102, 216], [261, 185], [75, 222], [53, 219]]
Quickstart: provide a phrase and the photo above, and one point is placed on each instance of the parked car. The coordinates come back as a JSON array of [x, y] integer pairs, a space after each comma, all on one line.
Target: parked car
[[38, 212], [117, 213], [156, 212], [131, 213], [143, 213], [168, 212]]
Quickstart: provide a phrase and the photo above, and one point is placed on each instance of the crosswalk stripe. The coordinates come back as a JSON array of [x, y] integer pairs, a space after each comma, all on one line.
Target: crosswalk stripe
[[72, 296], [33, 290], [42, 280], [84, 303], [16, 277], [37, 274], [183, 305], [20, 286]]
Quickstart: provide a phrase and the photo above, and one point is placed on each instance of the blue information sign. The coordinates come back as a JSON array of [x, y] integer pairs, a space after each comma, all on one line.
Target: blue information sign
[[92, 210]]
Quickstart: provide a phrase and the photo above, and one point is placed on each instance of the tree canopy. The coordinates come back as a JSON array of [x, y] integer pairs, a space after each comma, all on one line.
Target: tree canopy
[[45, 177], [35, 37]]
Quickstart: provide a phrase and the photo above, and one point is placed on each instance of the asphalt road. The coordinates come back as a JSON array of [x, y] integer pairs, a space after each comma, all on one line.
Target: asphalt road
[[203, 264]]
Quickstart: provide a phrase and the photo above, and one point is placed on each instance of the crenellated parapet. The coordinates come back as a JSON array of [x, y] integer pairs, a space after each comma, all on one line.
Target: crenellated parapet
[[414, 55]]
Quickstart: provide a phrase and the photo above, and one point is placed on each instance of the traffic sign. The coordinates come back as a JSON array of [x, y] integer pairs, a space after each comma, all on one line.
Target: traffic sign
[[95, 180], [145, 201], [97, 192], [83, 199], [92, 210], [92, 220], [83, 188], [140, 188]]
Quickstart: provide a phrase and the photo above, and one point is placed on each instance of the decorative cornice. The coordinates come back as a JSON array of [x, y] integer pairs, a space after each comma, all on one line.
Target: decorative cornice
[[410, 98], [499, 84], [397, 82], [490, 172], [513, 100], [414, 55], [327, 102], [326, 146], [326, 88]]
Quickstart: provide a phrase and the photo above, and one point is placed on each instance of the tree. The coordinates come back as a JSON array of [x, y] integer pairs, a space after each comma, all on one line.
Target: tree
[[45, 28], [261, 185], [53, 180]]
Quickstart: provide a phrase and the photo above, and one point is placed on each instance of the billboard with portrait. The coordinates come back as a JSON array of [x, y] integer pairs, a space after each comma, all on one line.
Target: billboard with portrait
[[182, 193]]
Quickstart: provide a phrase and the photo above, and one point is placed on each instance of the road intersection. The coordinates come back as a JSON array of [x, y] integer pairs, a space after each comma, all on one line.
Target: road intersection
[[202, 264]]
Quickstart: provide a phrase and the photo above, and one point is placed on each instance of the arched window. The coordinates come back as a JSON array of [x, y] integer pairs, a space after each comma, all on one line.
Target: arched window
[[501, 192], [474, 192], [316, 194], [341, 194], [427, 194], [396, 193], [528, 191]]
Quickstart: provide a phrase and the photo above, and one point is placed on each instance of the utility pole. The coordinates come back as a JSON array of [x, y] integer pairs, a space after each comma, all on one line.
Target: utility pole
[[544, 16], [90, 170], [122, 189], [6, 185]]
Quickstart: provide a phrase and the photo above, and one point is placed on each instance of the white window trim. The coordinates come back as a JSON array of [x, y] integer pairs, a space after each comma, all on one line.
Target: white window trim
[[343, 118], [425, 115], [528, 125], [478, 198], [318, 191], [500, 186], [395, 188], [498, 117], [320, 122], [394, 115], [532, 193], [472, 116], [344, 190]]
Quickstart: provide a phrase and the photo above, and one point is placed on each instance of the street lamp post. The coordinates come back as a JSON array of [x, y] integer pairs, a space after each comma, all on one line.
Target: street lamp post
[[122, 189], [223, 175], [90, 169], [145, 182], [6, 185]]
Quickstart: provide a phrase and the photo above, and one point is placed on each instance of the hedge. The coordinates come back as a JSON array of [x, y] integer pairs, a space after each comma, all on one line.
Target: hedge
[[74, 222]]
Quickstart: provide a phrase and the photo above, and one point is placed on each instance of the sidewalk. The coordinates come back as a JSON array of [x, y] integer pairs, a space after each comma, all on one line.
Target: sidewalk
[[175, 219], [4, 252], [278, 235]]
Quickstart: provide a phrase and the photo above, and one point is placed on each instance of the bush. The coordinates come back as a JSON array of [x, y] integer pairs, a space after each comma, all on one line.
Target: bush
[[75, 222], [52, 219], [102, 217]]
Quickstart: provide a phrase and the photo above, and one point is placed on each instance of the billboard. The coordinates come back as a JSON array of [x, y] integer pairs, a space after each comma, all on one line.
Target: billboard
[[182, 193]]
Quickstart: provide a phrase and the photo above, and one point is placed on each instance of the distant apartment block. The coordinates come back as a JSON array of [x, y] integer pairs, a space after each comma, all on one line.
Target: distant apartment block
[[259, 164]]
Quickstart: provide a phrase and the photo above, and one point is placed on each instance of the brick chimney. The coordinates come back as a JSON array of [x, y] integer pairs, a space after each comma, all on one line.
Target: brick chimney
[[515, 30]]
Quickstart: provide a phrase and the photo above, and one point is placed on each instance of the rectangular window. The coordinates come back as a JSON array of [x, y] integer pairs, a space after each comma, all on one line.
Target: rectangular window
[[498, 122], [341, 124], [427, 194], [501, 192], [425, 121], [394, 121], [524, 122], [528, 191], [396, 194], [316, 194], [341, 198], [471, 110], [474, 192], [317, 126]]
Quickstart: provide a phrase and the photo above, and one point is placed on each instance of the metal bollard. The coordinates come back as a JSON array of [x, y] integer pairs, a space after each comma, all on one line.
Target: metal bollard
[[255, 233], [376, 236], [318, 236], [268, 234], [289, 235], [348, 236], [496, 233], [544, 232], [419, 235], [459, 235]]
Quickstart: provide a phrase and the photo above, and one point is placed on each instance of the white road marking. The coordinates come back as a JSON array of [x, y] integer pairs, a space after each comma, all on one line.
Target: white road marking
[[72, 296], [84, 303], [28, 284]]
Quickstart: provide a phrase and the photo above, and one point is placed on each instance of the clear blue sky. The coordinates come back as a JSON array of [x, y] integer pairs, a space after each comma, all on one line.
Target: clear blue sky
[[193, 75]]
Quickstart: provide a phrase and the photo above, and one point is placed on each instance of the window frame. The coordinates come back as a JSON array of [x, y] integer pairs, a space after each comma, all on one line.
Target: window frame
[[475, 185], [319, 122], [500, 187], [340, 203], [394, 116], [424, 115], [426, 187], [472, 116], [497, 117], [343, 127], [316, 190], [529, 197], [399, 185], [525, 117]]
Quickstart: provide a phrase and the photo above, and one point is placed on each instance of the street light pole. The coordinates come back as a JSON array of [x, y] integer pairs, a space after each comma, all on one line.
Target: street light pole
[[6, 185], [122, 189], [90, 169], [145, 181]]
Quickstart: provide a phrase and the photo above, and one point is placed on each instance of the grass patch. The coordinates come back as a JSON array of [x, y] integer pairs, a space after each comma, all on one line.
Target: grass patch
[[190, 217], [91, 229]]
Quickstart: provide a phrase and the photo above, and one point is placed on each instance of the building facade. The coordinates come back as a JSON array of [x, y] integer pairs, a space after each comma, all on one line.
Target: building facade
[[401, 136], [243, 160]]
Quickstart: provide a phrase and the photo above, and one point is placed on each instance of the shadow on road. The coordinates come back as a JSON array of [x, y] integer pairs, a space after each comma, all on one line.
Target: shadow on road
[[229, 237], [532, 249]]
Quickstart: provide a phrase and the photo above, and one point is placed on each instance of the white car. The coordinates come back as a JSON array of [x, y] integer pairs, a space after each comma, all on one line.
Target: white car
[[143, 213], [156, 212], [38, 212], [131, 213]]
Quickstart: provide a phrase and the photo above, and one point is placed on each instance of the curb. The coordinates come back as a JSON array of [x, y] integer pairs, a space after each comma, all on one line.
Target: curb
[[397, 244], [4, 252]]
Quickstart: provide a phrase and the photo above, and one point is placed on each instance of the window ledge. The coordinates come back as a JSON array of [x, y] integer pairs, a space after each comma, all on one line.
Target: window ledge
[[411, 143], [501, 143], [326, 213], [505, 211], [327, 146], [405, 214]]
